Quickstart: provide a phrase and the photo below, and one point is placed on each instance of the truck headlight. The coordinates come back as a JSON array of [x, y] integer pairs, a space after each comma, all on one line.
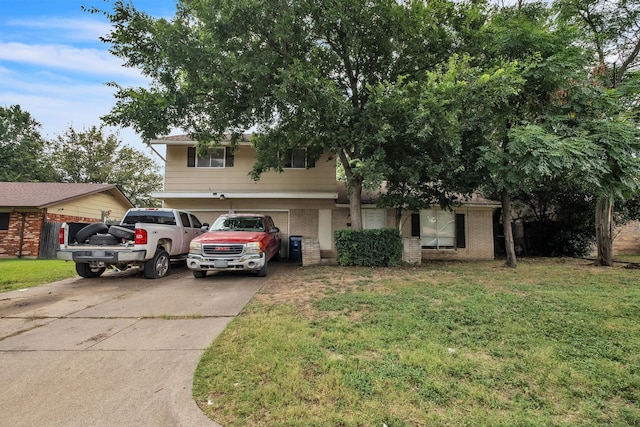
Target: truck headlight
[[195, 248], [253, 248]]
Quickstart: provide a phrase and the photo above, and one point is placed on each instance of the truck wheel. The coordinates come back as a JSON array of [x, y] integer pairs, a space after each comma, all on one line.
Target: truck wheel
[[199, 274], [158, 266], [86, 271], [121, 232], [263, 271], [90, 230]]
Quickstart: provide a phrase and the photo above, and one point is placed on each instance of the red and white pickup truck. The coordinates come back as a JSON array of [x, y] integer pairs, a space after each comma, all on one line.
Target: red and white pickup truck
[[236, 242]]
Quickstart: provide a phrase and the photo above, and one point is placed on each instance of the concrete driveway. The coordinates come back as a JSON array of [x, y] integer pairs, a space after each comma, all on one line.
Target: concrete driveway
[[114, 351]]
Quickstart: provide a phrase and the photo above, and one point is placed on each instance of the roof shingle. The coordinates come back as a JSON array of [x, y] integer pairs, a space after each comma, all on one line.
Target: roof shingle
[[43, 194]]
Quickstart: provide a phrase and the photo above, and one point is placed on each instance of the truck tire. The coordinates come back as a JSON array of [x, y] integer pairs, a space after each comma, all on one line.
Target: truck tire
[[158, 266], [199, 274], [86, 271], [103, 239], [263, 271], [90, 230], [121, 232]]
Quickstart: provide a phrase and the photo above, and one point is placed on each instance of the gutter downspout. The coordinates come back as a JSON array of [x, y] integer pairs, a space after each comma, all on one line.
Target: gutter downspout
[[165, 165], [155, 151]]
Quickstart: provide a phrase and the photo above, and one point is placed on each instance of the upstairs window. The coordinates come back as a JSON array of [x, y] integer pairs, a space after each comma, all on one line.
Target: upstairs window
[[296, 158], [216, 157]]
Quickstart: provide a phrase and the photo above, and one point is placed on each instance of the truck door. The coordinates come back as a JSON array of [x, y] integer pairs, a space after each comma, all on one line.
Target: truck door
[[187, 232], [274, 239]]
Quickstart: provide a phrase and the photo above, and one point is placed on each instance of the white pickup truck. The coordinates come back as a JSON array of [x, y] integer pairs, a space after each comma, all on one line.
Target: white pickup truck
[[149, 238]]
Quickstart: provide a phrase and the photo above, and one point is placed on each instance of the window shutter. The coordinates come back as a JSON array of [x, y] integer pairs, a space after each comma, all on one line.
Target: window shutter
[[229, 157], [415, 225], [461, 240], [191, 157]]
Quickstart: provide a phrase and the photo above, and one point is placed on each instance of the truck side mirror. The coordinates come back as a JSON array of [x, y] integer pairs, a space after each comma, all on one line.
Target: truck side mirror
[[274, 230], [204, 228]]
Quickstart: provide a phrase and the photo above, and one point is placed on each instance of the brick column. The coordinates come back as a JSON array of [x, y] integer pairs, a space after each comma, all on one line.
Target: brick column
[[310, 251], [412, 252]]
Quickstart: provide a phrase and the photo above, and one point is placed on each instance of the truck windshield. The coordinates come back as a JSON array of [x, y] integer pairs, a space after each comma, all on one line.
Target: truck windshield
[[150, 217], [245, 223]]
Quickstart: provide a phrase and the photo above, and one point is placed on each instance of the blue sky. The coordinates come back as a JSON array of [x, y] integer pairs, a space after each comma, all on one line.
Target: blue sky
[[54, 66]]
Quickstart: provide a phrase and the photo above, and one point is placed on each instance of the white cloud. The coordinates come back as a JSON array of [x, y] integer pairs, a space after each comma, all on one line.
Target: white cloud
[[63, 29], [87, 61]]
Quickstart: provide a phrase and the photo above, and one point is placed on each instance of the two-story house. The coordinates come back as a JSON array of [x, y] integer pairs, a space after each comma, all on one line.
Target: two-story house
[[306, 200]]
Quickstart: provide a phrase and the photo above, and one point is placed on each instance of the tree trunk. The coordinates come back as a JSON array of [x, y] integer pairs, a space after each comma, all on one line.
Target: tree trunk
[[355, 203], [508, 232], [398, 219], [604, 231]]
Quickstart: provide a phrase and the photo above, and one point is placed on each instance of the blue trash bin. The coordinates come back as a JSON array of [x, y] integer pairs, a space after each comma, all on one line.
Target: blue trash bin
[[295, 248]]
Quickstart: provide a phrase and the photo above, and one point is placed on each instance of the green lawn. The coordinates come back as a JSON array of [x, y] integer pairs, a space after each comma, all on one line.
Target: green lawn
[[555, 342], [26, 273]]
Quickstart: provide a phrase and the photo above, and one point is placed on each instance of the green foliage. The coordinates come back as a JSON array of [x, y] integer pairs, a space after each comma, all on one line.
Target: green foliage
[[519, 95], [22, 149], [302, 73], [91, 157], [420, 139], [27, 273], [382, 248], [610, 30]]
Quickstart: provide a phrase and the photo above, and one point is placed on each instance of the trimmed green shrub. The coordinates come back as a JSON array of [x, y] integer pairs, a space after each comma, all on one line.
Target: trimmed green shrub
[[371, 248]]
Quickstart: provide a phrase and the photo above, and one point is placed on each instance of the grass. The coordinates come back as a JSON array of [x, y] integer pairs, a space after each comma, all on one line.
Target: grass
[[555, 342], [27, 273]]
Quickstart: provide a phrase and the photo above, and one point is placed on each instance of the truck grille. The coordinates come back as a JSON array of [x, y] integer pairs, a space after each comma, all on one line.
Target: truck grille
[[222, 250]]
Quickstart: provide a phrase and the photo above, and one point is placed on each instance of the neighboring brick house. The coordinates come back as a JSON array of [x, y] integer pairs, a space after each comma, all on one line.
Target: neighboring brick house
[[626, 239], [306, 200], [31, 211]]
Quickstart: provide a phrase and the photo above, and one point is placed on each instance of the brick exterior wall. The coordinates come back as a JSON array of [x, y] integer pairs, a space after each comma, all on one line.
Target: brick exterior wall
[[10, 239], [304, 222], [33, 222], [68, 218], [627, 239]]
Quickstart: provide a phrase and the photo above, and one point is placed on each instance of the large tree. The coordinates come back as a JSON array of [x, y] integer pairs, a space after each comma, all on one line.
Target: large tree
[[299, 73], [519, 100], [612, 29], [420, 138], [22, 148], [91, 157]]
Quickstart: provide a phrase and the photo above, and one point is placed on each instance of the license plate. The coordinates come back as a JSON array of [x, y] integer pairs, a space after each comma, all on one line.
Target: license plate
[[220, 264]]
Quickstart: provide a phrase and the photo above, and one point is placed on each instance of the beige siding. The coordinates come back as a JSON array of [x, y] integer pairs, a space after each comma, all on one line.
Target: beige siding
[[179, 177], [97, 206]]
